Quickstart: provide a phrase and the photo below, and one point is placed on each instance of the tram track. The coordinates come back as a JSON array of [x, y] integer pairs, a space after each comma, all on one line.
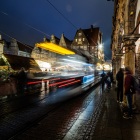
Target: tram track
[[51, 110], [21, 102], [15, 119]]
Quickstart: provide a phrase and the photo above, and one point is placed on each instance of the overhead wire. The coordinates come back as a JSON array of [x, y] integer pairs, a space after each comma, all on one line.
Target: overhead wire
[[16, 39], [4, 13], [61, 14]]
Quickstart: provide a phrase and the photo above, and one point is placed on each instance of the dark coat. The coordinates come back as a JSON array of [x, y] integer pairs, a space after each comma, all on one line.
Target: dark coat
[[22, 78], [119, 78], [129, 83]]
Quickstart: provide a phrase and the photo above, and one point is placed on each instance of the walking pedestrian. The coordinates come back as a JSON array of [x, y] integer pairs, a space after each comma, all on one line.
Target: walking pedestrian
[[22, 79], [129, 91], [103, 79], [108, 81], [119, 78]]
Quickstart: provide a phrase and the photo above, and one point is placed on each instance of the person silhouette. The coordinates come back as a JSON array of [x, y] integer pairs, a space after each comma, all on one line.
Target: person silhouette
[[119, 78]]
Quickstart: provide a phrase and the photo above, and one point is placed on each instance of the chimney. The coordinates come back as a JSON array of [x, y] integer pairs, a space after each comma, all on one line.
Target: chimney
[[44, 39], [91, 28]]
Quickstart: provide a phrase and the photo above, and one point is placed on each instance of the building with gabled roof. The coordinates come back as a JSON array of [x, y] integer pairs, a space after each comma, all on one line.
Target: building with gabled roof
[[54, 39], [24, 50], [65, 42], [15, 55], [89, 40], [15, 47]]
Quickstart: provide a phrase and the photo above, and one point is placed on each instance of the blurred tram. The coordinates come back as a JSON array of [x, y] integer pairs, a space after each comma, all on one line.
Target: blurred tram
[[65, 79], [67, 67], [65, 73], [85, 77]]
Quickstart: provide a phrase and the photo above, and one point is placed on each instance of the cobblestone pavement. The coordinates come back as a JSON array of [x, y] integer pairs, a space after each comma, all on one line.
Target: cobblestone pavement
[[16, 121], [112, 125], [76, 119]]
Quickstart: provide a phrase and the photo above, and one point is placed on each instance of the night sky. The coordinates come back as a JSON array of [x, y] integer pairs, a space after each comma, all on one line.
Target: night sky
[[29, 21]]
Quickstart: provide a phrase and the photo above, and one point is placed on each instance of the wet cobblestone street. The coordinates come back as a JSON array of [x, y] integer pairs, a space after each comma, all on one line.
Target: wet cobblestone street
[[70, 121]]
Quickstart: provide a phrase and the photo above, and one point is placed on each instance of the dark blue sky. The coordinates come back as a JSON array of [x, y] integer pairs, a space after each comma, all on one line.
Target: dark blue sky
[[29, 21]]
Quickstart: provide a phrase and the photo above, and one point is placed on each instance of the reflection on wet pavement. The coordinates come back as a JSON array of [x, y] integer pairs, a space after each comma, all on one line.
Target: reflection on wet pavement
[[69, 121]]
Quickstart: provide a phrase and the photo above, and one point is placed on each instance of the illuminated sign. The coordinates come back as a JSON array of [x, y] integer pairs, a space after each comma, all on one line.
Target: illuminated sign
[[88, 78]]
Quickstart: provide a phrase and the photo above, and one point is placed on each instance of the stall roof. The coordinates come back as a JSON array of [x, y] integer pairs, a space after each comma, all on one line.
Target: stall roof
[[16, 62]]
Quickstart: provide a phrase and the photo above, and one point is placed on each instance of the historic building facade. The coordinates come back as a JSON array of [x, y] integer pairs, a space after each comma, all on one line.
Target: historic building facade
[[87, 43], [15, 47], [42, 55], [90, 41], [126, 35], [65, 42]]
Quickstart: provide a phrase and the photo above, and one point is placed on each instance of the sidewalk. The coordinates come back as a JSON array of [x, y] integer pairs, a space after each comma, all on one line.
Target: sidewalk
[[112, 125]]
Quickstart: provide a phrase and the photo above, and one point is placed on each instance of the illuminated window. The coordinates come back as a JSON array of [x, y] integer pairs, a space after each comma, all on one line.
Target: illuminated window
[[83, 39], [76, 40], [79, 34], [79, 39]]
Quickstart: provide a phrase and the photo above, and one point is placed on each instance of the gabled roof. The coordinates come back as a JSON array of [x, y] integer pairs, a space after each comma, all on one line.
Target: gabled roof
[[24, 47], [21, 46], [92, 35], [56, 39], [7, 43], [68, 41], [45, 39]]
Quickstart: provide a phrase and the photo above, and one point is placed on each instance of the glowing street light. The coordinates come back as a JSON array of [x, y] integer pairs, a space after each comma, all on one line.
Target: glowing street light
[[100, 46]]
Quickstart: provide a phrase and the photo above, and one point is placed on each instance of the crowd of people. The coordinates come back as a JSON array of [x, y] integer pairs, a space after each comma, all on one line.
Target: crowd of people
[[106, 78], [126, 88]]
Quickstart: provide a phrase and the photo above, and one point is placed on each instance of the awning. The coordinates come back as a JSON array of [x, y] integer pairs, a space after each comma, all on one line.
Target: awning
[[16, 62]]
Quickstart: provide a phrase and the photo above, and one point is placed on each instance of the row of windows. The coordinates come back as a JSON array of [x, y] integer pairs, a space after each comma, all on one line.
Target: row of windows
[[85, 47], [81, 47], [80, 39]]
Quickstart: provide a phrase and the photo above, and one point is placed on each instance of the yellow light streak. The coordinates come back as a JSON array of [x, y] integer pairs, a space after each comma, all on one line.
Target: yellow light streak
[[54, 48]]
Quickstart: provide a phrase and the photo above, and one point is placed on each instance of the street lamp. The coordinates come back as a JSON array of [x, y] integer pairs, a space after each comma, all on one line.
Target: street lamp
[[100, 46]]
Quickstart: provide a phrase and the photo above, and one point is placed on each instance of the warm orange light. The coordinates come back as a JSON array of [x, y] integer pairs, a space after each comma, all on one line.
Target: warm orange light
[[54, 48]]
